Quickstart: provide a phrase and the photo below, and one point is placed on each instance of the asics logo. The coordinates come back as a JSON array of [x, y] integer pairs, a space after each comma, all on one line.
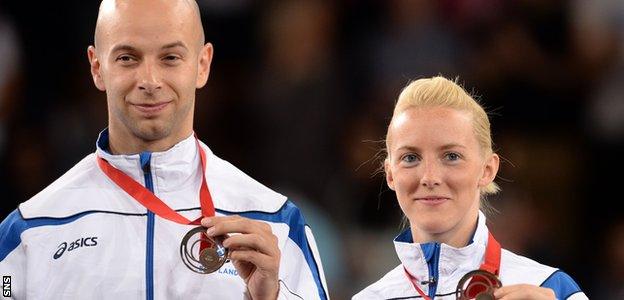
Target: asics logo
[[81, 242]]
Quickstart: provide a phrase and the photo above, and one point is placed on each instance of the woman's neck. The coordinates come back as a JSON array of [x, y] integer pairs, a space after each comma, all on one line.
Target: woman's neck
[[457, 237]]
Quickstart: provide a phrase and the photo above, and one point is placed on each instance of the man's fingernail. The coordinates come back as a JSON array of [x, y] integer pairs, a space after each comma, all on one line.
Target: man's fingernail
[[210, 231], [206, 222]]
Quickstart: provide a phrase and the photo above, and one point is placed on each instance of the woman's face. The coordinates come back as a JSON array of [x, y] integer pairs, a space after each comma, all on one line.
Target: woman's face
[[436, 168]]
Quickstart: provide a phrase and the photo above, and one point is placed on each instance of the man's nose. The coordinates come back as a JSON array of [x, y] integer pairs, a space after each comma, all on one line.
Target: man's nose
[[431, 175], [149, 80]]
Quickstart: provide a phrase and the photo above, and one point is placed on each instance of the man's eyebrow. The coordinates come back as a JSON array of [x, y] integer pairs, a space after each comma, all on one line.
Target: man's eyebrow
[[174, 44], [126, 47], [123, 47]]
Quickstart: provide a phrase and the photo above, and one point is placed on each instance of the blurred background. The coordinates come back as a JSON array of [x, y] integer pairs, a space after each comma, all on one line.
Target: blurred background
[[300, 95]]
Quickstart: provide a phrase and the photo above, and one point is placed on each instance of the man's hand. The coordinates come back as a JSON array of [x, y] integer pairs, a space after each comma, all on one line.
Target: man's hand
[[254, 252], [524, 291]]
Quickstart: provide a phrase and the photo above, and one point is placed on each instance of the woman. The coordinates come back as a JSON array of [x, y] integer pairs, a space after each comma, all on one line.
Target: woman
[[441, 165]]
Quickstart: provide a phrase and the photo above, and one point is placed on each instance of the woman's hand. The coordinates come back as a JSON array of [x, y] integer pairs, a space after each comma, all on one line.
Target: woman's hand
[[524, 291]]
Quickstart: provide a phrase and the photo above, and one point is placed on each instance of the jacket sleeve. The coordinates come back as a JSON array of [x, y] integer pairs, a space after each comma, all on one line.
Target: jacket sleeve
[[564, 286], [12, 256], [301, 272]]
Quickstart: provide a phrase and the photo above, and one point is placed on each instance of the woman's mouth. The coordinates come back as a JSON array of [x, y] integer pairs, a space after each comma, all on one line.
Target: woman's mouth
[[432, 200]]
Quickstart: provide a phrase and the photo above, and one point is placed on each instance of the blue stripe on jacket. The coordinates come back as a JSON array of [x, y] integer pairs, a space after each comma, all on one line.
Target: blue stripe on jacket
[[12, 227], [563, 285]]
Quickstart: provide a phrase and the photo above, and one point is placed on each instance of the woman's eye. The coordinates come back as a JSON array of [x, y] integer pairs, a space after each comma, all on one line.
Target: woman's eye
[[409, 158], [452, 156]]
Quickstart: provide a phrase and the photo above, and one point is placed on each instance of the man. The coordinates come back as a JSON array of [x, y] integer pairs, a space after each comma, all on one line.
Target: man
[[112, 225]]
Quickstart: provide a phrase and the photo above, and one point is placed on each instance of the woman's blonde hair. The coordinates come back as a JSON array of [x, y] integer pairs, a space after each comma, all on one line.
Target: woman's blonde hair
[[439, 91]]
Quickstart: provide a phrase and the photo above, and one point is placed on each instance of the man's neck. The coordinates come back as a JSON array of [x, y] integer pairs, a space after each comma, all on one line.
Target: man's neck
[[133, 145]]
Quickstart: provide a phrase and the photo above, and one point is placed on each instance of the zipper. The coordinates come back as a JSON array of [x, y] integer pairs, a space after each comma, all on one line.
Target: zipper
[[432, 255], [433, 270], [145, 158]]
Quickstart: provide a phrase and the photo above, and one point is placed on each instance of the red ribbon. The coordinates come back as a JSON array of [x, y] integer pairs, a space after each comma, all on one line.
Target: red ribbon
[[151, 201], [490, 264]]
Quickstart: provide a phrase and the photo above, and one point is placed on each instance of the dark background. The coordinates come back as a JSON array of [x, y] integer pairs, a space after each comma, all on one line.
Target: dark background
[[300, 95]]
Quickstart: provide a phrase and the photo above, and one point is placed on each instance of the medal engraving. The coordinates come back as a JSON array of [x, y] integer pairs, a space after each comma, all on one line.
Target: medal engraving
[[478, 285], [203, 261]]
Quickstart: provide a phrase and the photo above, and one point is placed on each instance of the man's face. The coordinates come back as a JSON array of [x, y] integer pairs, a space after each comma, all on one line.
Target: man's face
[[149, 58]]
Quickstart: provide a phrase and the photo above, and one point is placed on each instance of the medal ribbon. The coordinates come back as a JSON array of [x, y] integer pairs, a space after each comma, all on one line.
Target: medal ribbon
[[490, 264], [150, 201]]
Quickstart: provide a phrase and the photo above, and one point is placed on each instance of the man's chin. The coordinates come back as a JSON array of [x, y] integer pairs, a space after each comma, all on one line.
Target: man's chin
[[152, 132]]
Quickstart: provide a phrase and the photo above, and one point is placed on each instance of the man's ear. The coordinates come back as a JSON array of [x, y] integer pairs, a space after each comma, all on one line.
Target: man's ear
[[96, 69], [490, 169], [388, 171], [203, 65]]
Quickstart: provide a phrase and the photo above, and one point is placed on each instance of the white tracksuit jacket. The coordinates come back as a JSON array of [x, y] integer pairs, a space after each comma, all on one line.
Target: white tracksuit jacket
[[82, 237], [447, 265]]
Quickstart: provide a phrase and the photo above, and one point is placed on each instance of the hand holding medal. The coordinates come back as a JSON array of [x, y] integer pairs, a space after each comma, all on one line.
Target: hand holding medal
[[484, 284], [253, 250]]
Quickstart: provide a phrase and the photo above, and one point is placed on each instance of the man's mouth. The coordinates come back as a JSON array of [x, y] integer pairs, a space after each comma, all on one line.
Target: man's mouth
[[151, 108]]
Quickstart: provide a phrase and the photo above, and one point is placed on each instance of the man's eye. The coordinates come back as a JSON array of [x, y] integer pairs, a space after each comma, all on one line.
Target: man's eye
[[125, 58], [171, 58]]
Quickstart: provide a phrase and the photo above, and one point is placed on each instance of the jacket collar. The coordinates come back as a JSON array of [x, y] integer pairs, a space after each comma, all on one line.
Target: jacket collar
[[178, 165], [231, 189], [415, 256]]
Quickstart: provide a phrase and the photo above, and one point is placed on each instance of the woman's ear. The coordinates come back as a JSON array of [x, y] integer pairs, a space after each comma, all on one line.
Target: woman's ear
[[388, 172], [490, 169]]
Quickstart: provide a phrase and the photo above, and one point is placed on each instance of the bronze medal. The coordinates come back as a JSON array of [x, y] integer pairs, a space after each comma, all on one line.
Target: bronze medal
[[478, 284], [209, 259]]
